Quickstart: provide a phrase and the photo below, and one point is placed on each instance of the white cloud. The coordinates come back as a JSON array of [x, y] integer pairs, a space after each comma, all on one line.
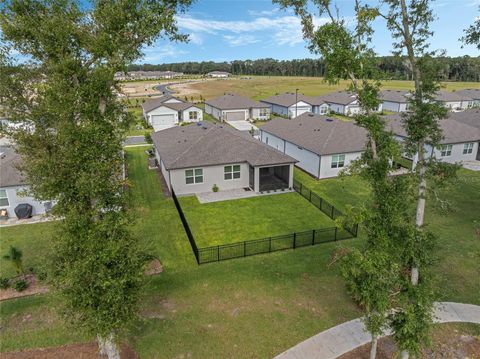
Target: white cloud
[[263, 12], [158, 52], [195, 38], [240, 40]]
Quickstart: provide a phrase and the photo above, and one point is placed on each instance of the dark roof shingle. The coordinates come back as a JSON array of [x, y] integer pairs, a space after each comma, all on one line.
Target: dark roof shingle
[[234, 102], [10, 175]]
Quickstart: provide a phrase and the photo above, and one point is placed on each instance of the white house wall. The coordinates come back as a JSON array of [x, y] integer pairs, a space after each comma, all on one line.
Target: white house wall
[[321, 110], [337, 108], [392, 106], [15, 197], [186, 114], [162, 111], [299, 108], [211, 175], [255, 114], [326, 170], [457, 153]]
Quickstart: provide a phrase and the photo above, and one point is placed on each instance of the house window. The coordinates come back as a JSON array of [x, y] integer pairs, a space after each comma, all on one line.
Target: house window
[[3, 198], [468, 148], [338, 161], [263, 112], [445, 150], [192, 115], [194, 176], [231, 172], [323, 110]]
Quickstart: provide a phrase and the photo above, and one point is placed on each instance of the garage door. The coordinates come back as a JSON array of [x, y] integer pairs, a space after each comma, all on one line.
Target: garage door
[[235, 116], [299, 110], [161, 122]]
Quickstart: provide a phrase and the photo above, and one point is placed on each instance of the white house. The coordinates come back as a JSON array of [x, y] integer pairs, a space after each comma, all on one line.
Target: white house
[[461, 137], [233, 107], [294, 104], [13, 188], [454, 100], [167, 111], [395, 100], [219, 74], [322, 146], [193, 159], [343, 103], [472, 96]]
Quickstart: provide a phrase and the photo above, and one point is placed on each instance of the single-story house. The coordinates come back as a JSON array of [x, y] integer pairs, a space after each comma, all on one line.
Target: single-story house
[[219, 74], [167, 111], [323, 146], [293, 105], [233, 107], [454, 100], [193, 159], [13, 188], [343, 103], [394, 100], [461, 137], [473, 94]]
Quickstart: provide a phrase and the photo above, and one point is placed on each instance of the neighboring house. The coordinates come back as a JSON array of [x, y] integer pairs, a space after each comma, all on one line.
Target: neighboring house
[[193, 159], [233, 107], [293, 105], [219, 74], [473, 94], [394, 100], [343, 103], [461, 137], [167, 111], [147, 75], [13, 189], [323, 146], [454, 100]]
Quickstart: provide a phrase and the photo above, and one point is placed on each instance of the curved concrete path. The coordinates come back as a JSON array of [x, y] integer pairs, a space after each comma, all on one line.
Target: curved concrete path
[[345, 337]]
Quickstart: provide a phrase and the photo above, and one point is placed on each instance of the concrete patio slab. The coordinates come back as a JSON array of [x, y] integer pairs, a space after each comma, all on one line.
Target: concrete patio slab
[[227, 195], [472, 165]]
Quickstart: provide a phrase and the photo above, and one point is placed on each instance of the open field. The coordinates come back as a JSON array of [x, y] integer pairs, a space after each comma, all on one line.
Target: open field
[[251, 218], [254, 307], [260, 87]]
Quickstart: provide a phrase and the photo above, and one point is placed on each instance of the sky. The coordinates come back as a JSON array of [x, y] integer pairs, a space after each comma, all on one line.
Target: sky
[[226, 30]]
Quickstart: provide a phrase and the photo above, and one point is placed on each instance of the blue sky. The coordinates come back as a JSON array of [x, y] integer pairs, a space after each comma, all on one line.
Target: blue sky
[[225, 30]]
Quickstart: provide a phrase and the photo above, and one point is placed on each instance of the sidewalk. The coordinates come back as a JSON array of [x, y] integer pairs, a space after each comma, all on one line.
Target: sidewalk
[[345, 337]]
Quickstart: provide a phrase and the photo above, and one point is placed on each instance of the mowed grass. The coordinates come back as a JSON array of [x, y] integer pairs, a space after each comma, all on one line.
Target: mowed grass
[[254, 307], [251, 218], [261, 87]]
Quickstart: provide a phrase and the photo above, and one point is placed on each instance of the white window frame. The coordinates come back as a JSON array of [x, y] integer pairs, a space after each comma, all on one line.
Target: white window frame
[[194, 176], [468, 148], [445, 150], [230, 171], [338, 161], [323, 110], [3, 198], [193, 115], [263, 112]]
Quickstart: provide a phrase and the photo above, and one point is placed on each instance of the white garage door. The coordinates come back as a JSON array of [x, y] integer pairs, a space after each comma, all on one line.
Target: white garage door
[[235, 116], [160, 122], [299, 110]]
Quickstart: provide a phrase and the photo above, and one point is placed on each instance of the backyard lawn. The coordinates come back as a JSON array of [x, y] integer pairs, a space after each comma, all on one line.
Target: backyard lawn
[[251, 218], [254, 307]]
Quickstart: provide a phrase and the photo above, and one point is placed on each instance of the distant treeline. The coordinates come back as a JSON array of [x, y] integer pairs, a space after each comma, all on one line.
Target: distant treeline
[[464, 68]]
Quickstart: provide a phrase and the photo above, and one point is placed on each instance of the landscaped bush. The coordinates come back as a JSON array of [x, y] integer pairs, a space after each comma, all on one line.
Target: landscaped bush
[[215, 188], [20, 285], [148, 137], [4, 283]]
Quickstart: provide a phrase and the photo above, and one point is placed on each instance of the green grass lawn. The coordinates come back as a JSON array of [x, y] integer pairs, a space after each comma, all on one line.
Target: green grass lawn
[[254, 307], [251, 218]]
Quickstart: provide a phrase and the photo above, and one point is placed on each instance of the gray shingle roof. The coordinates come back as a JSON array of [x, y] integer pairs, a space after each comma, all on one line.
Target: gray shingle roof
[[322, 135], [179, 106], [288, 99], [234, 102], [469, 117], [472, 93], [9, 174], [156, 102], [454, 129], [398, 96], [339, 97], [447, 96], [207, 144]]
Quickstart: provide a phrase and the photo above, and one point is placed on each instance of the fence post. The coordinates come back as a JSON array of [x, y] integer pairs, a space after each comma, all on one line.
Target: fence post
[[270, 245], [244, 248], [321, 203], [313, 237], [335, 233], [310, 196], [333, 208], [218, 253], [294, 240]]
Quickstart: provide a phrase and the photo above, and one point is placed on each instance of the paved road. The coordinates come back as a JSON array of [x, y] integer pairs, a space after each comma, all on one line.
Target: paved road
[[345, 337], [134, 140], [164, 89]]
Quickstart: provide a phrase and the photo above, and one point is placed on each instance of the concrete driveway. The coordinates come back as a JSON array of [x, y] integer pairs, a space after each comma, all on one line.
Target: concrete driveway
[[242, 125]]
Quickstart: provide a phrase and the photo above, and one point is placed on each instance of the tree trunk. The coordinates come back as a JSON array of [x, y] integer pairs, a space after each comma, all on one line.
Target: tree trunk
[[373, 349], [108, 347]]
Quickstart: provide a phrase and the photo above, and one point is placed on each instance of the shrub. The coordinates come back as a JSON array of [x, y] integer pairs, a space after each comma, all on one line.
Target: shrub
[[20, 285], [148, 137], [4, 283], [215, 188]]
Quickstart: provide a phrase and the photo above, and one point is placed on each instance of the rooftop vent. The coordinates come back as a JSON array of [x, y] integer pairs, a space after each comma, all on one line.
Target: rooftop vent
[[310, 114], [204, 127], [329, 120]]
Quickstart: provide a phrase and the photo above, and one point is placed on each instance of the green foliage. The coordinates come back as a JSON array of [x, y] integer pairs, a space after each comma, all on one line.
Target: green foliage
[[472, 34], [15, 256], [20, 285], [148, 137], [4, 283], [215, 188]]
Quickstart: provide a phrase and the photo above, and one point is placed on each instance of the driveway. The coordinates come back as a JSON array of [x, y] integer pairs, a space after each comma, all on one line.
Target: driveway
[[134, 140], [242, 125]]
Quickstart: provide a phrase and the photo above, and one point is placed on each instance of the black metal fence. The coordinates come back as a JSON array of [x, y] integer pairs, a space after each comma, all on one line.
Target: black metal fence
[[276, 243]]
